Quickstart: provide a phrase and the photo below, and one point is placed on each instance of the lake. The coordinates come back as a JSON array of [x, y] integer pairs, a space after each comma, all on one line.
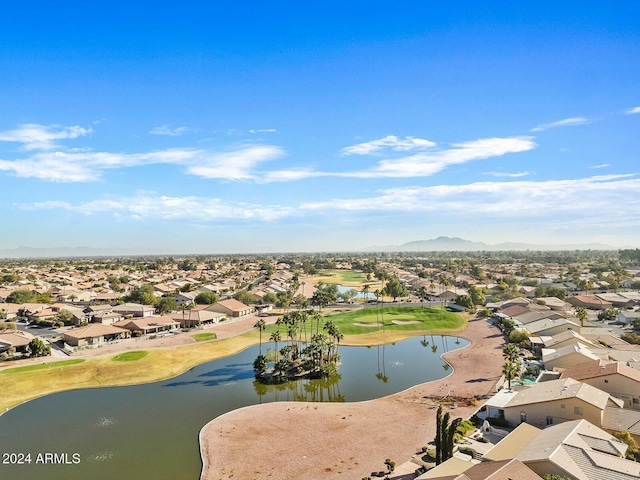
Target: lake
[[151, 431]]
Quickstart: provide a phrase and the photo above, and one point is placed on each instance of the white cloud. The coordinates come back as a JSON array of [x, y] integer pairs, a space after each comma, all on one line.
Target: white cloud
[[85, 166], [33, 136], [603, 165], [389, 142], [263, 130], [567, 122], [426, 164], [166, 130], [235, 165], [633, 110], [153, 207], [563, 199], [509, 175]]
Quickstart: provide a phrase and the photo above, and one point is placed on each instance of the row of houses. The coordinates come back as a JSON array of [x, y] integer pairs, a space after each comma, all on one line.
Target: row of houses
[[132, 319], [563, 423]]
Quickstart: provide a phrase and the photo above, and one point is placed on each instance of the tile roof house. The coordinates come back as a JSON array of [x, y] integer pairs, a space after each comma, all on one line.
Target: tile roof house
[[615, 378], [573, 354], [552, 402], [198, 317], [591, 302], [231, 308], [579, 450], [147, 325], [94, 334], [622, 420], [15, 339], [134, 309]]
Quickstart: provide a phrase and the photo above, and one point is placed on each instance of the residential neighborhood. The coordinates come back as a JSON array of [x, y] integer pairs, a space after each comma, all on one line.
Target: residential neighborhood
[[568, 396]]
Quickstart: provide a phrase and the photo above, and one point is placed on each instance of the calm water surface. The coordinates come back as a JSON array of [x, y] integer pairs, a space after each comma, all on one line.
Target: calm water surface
[[151, 431]]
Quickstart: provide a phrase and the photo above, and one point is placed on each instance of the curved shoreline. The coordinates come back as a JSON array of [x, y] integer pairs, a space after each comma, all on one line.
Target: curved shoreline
[[100, 372], [326, 441]]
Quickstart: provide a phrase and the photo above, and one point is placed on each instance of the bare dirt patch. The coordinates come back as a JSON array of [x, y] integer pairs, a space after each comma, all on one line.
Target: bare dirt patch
[[310, 438]]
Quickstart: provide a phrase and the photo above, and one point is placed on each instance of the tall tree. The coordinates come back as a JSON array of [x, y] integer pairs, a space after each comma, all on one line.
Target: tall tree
[[394, 288], [260, 325], [510, 371]]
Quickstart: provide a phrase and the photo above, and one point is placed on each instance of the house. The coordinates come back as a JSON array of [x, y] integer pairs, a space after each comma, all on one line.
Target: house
[[513, 443], [231, 308], [628, 317], [528, 317], [580, 450], [94, 334], [617, 301], [615, 378], [198, 317], [17, 340], [591, 302], [622, 420], [147, 325], [552, 402], [569, 337], [527, 291], [572, 354], [10, 310], [103, 314], [502, 470], [134, 309], [186, 298], [556, 304], [550, 326]]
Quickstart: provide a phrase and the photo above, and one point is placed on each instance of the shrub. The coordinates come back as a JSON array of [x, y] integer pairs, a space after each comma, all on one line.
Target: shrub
[[631, 337], [468, 451], [465, 427]]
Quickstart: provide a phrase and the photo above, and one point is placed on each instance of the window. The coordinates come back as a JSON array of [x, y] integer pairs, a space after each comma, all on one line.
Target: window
[[577, 411], [606, 381], [636, 401], [562, 405], [549, 420]]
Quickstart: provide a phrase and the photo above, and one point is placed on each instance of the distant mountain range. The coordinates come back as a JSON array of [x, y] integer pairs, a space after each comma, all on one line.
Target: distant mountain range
[[444, 244], [440, 244]]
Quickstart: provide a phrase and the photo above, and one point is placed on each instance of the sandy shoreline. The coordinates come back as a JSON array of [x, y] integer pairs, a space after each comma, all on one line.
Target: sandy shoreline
[[293, 440]]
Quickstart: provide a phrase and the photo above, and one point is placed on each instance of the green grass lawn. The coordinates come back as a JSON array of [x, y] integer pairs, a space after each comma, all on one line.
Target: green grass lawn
[[374, 320], [203, 337], [130, 356], [344, 277], [42, 366]]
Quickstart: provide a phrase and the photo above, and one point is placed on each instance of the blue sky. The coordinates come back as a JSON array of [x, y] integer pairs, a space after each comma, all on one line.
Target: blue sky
[[236, 127]]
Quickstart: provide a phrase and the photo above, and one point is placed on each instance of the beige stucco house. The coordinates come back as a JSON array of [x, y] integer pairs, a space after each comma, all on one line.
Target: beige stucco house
[[94, 334], [552, 402], [615, 378], [231, 308]]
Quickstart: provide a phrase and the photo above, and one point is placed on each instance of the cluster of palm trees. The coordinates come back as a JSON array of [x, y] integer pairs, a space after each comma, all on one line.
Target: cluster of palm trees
[[299, 357]]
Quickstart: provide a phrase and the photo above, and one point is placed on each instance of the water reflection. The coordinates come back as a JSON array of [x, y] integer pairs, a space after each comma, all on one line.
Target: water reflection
[[317, 390], [153, 428]]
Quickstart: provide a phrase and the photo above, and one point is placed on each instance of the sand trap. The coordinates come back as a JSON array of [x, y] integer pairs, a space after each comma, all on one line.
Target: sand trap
[[360, 324], [405, 322]]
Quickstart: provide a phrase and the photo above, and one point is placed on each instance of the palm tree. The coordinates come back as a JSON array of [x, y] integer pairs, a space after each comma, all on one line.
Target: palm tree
[[275, 338], [510, 371], [260, 325], [365, 291], [582, 315], [511, 353]]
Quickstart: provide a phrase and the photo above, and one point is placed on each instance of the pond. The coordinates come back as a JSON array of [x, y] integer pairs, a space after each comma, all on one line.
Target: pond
[[151, 431]]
